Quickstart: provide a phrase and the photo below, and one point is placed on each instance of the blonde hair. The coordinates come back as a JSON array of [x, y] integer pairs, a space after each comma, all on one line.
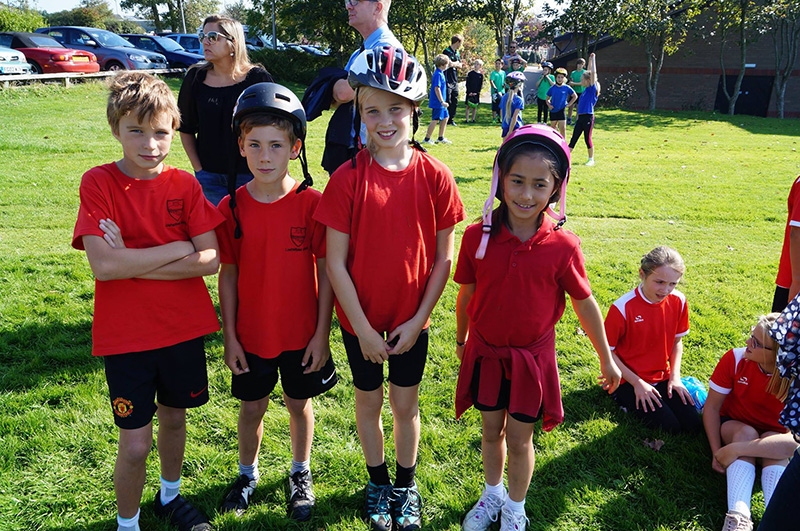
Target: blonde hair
[[510, 100], [233, 29], [441, 60], [363, 94], [142, 94], [662, 256], [777, 385]]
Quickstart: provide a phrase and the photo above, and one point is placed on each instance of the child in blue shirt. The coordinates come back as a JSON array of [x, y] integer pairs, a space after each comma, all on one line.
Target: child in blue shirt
[[512, 104], [559, 96], [584, 123], [437, 101]]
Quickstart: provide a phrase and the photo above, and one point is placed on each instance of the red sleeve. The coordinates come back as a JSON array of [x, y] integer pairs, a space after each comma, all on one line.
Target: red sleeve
[[94, 207], [465, 267], [203, 216], [335, 209], [794, 204], [724, 374], [227, 254], [573, 279], [683, 323], [615, 326], [449, 208]]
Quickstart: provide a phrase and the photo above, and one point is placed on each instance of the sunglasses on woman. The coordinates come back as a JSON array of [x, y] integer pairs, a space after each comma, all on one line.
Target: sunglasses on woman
[[213, 36], [354, 3]]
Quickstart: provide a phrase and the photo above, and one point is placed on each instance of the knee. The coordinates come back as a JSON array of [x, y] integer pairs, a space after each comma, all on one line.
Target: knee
[[253, 411], [134, 452], [745, 433], [298, 407], [171, 418], [405, 412], [519, 445]]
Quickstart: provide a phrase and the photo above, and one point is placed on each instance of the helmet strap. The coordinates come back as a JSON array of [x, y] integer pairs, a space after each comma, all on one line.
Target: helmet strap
[[307, 179], [356, 130], [415, 125], [237, 232]]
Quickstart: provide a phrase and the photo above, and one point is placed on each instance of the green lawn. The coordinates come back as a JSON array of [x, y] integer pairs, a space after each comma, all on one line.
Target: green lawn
[[714, 187]]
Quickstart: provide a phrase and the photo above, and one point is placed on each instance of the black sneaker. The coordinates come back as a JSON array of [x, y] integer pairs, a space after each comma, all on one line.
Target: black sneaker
[[301, 496], [182, 514], [238, 498], [378, 506], [407, 508]]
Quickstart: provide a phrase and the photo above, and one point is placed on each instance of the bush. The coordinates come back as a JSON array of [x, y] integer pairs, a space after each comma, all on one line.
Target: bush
[[616, 93], [291, 65], [123, 26], [12, 19]]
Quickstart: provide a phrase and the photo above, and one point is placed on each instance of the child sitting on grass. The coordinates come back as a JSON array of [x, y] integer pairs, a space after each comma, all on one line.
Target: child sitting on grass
[[740, 415], [148, 233]]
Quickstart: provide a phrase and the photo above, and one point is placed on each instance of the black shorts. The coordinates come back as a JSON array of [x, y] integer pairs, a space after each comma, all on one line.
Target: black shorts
[[175, 374], [496, 98], [263, 376], [556, 116], [503, 398], [405, 370], [781, 299]]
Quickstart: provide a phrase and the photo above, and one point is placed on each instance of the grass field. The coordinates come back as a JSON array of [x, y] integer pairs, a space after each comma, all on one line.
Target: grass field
[[712, 186]]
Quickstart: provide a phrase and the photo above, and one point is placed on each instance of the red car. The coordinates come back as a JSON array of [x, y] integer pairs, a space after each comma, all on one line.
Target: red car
[[48, 56]]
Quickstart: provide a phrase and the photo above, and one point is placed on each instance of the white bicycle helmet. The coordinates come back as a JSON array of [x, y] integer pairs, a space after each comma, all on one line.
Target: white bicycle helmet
[[390, 69]]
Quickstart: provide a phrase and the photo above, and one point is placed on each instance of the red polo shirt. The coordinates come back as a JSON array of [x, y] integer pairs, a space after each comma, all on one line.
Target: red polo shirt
[[784, 279]]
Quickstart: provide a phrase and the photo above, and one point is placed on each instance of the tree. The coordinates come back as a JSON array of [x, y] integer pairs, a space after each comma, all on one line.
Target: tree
[[586, 19], [237, 11], [658, 26], [167, 13], [733, 18], [782, 18], [12, 19]]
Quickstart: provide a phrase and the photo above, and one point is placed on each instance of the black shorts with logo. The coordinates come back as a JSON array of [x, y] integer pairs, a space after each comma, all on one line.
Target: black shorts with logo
[[405, 370], [175, 376], [557, 116], [263, 376]]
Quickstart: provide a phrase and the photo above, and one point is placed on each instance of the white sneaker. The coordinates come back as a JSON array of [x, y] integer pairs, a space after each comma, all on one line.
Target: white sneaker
[[589, 162], [737, 522], [443, 141], [483, 513], [511, 521], [429, 141]]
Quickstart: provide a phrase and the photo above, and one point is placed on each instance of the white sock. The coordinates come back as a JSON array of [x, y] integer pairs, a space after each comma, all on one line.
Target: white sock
[[299, 466], [169, 490], [128, 524], [250, 471], [770, 475], [496, 490], [741, 476], [515, 506]]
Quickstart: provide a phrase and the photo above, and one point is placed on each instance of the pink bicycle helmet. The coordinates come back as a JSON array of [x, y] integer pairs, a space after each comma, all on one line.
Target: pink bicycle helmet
[[540, 135]]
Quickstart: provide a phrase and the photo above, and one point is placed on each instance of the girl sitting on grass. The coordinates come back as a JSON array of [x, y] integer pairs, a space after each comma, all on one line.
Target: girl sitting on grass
[[645, 328], [514, 269], [740, 416]]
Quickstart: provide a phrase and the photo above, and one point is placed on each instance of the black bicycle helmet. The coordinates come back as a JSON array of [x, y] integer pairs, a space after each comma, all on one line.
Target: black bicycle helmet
[[270, 98]]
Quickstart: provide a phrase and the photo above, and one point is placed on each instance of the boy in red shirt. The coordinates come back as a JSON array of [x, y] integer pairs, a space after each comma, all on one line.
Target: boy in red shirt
[[148, 233], [787, 284], [390, 218], [275, 297]]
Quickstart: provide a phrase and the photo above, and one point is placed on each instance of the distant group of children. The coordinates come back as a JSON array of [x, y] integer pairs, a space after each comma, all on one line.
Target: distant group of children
[[379, 245]]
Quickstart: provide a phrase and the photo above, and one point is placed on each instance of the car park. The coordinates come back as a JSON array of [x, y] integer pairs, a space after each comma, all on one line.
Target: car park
[[189, 41], [13, 62], [176, 55], [48, 56], [112, 51]]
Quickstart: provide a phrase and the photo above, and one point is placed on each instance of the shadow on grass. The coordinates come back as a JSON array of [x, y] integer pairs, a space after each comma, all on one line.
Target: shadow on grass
[[53, 353], [622, 120], [631, 485]]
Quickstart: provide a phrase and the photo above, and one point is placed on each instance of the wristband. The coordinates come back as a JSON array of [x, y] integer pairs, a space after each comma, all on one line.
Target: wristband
[[460, 344]]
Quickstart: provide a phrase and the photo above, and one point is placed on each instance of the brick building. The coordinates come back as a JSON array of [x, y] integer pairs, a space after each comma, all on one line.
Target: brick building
[[691, 78]]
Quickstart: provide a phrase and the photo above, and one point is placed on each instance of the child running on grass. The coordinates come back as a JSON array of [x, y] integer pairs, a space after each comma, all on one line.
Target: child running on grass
[[645, 328], [437, 101], [275, 297], [559, 97], [391, 216], [148, 233], [740, 416], [514, 270], [584, 123], [512, 104]]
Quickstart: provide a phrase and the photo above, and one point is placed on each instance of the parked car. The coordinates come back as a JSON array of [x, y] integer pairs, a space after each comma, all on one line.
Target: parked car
[[188, 41], [310, 48], [176, 55], [112, 51], [47, 55], [13, 62]]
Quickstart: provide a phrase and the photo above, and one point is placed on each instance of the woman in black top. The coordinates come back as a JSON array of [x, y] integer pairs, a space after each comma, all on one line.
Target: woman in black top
[[206, 100]]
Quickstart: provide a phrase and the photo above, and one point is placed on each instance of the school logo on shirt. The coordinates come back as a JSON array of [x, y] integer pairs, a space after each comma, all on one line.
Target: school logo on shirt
[[175, 208], [122, 407], [638, 319], [742, 380], [298, 235]]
